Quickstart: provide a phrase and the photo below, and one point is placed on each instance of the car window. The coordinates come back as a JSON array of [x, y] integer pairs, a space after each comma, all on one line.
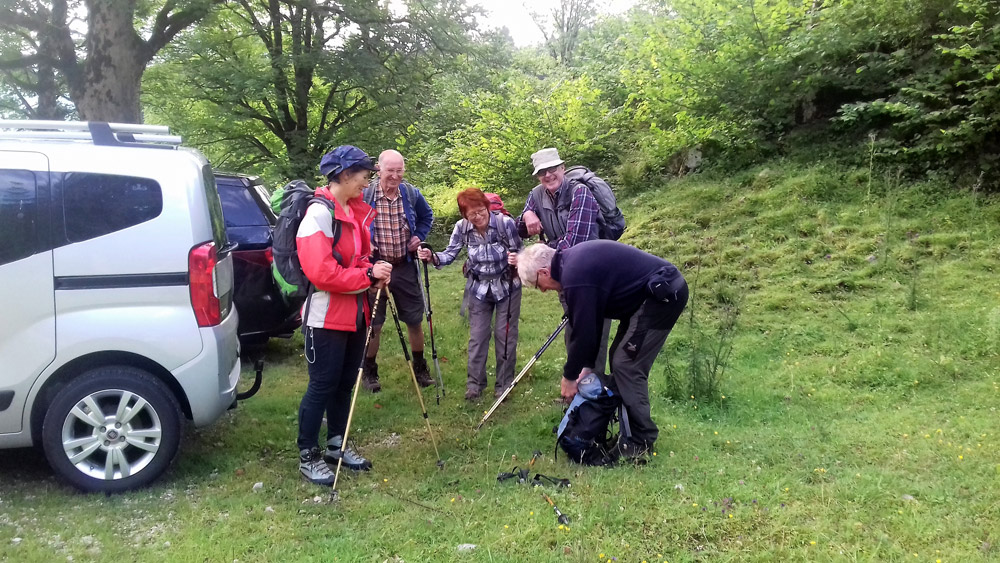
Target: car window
[[18, 214], [239, 207], [98, 204], [265, 199]]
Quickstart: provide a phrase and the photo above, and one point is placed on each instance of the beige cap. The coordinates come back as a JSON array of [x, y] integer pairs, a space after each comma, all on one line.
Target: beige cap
[[545, 158]]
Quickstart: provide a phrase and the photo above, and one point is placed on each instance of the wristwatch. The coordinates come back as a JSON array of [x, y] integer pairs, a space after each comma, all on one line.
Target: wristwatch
[[371, 275]]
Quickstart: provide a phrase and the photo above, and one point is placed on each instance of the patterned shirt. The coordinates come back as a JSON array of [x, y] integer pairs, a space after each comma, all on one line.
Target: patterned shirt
[[487, 255], [581, 225], [392, 233]]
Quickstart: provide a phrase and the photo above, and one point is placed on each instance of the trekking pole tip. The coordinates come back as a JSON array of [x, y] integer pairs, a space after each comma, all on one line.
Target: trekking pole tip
[[334, 496], [440, 464]]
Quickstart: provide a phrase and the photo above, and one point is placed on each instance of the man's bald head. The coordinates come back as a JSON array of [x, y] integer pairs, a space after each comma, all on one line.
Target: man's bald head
[[390, 170], [390, 158]]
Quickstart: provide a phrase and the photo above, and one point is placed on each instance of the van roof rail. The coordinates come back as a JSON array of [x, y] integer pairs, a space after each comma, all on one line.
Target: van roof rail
[[98, 132]]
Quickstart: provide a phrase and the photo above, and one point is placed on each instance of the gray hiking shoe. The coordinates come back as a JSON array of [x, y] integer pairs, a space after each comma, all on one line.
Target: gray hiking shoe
[[352, 459], [313, 468], [369, 377], [422, 372]]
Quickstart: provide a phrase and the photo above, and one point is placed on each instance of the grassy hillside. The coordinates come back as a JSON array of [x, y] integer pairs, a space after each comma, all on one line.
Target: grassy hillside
[[855, 420]]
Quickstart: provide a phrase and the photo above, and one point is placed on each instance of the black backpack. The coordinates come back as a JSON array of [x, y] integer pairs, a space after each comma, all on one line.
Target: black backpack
[[287, 271], [585, 431]]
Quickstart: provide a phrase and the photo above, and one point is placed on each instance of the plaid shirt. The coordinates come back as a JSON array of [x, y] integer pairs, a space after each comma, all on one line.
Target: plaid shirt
[[581, 225], [487, 255], [392, 233]]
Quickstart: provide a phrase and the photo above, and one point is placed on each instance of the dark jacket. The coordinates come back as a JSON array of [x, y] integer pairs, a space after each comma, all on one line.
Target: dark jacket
[[603, 279]]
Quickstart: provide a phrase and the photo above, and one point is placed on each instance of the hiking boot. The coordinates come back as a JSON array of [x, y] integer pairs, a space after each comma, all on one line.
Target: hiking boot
[[313, 468], [369, 377], [352, 459], [423, 374], [630, 450], [472, 394]]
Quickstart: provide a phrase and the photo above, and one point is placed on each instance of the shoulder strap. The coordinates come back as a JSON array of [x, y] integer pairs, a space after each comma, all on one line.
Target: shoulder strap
[[336, 227], [411, 194]]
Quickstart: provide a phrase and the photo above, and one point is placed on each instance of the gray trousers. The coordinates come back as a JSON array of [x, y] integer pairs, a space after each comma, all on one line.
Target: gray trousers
[[481, 315], [602, 351], [633, 351]]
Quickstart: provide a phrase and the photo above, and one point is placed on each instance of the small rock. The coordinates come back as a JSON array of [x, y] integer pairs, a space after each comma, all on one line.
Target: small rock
[[166, 544], [678, 486], [317, 499], [909, 497], [466, 547], [15, 541], [269, 510], [258, 486]]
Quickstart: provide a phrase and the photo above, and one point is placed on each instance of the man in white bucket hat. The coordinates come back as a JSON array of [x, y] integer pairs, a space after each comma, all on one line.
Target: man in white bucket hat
[[563, 214]]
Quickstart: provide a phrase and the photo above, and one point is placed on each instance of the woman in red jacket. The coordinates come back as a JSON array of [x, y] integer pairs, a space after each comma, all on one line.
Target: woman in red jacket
[[338, 311]]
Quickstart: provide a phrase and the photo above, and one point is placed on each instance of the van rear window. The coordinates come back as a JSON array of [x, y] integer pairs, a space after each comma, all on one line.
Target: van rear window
[[214, 207]]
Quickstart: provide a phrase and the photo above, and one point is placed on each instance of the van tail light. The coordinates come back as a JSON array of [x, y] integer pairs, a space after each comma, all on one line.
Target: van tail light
[[269, 255], [202, 262]]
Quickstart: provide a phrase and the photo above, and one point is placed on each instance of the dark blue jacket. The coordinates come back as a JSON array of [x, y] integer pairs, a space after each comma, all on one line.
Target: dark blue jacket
[[603, 279], [418, 213]]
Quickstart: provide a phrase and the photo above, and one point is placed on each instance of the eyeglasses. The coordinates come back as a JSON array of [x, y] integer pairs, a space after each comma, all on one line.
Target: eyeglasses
[[546, 171], [477, 213]]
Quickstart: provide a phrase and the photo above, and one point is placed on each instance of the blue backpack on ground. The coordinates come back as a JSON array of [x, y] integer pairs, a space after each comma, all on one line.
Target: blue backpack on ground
[[585, 430]]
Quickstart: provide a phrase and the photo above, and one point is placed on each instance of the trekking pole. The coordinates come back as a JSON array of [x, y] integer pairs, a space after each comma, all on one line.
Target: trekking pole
[[357, 385], [413, 374], [512, 271], [524, 370], [562, 518], [430, 326]]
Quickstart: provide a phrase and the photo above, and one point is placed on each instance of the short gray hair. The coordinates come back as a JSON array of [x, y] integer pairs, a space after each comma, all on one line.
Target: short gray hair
[[532, 259]]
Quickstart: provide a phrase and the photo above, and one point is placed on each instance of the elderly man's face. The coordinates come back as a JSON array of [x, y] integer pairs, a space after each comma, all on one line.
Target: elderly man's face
[[551, 178], [390, 172], [544, 281]]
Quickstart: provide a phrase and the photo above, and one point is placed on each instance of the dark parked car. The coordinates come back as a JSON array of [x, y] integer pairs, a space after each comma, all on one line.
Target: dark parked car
[[249, 219]]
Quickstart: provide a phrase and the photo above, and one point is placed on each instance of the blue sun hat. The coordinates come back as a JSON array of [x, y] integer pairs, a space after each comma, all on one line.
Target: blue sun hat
[[342, 158]]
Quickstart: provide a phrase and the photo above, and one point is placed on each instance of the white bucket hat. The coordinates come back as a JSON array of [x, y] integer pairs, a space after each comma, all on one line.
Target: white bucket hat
[[545, 158]]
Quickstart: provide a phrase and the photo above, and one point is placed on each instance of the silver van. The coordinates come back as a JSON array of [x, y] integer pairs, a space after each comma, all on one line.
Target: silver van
[[117, 298]]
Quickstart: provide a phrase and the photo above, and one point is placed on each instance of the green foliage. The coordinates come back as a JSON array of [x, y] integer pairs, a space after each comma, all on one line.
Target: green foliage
[[944, 111], [275, 85], [523, 114]]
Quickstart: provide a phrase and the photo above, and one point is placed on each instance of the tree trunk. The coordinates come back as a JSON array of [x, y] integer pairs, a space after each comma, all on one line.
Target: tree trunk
[[116, 59]]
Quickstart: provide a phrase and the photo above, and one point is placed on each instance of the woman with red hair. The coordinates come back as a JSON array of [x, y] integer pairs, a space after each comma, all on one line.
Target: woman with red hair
[[491, 241]]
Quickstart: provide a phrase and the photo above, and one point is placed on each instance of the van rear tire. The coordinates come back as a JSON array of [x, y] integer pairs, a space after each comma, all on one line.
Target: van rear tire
[[112, 429]]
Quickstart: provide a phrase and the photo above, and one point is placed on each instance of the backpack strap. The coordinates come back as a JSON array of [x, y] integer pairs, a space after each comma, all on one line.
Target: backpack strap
[[333, 249]]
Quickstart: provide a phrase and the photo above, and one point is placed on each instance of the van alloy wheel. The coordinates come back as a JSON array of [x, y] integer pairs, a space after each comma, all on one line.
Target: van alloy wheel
[[112, 429], [111, 434]]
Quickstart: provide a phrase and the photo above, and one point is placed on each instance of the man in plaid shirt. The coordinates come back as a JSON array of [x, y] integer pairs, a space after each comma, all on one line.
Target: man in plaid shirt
[[561, 228], [403, 220]]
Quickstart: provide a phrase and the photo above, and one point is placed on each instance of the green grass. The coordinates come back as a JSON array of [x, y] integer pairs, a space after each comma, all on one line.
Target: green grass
[[858, 420]]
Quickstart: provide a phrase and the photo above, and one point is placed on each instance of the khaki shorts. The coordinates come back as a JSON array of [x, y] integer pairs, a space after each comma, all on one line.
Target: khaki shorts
[[406, 293]]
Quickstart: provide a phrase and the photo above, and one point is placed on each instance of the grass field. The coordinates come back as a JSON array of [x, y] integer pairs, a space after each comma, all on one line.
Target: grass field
[[855, 420]]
